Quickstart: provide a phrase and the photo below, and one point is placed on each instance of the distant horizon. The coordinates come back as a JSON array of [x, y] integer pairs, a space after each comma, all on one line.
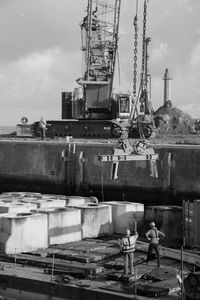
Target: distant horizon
[[5, 129]]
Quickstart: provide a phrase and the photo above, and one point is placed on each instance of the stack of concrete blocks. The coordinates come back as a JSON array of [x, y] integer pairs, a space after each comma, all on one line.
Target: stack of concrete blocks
[[168, 219], [96, 220], [23, 228], [126, 215], [64, 225]]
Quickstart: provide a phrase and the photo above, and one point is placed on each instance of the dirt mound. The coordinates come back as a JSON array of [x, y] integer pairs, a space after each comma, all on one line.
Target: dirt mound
[[171, 120]]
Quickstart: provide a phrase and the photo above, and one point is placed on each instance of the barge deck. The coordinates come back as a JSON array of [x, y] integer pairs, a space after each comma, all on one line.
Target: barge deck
[[88, 269]]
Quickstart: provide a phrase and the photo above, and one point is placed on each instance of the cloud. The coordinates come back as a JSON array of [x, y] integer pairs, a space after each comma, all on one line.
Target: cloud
[[195, 57], [38, 25], [160, 52], [186, 4], [33, 84]]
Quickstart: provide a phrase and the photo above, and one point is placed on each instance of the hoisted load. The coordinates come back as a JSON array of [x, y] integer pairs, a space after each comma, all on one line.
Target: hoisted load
[[124, 152]]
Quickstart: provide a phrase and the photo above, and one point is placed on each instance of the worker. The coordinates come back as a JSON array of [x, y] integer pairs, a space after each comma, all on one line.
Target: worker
[[153, 238], [127, 247], [43, 127]]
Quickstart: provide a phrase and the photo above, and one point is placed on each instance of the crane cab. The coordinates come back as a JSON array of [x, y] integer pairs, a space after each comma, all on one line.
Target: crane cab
[[121, 107]]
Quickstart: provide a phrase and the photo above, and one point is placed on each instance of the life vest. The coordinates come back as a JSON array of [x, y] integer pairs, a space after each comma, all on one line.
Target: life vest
[[128, 244], [42, 124]]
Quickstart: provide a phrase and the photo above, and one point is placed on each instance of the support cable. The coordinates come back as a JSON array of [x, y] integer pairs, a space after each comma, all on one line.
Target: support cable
[[135, 23]]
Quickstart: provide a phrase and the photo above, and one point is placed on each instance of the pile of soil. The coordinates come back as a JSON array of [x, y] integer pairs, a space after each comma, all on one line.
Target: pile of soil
[[197, 124], [171, 120]]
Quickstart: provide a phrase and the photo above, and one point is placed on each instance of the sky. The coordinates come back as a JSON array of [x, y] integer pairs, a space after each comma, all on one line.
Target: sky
[[40, 54]]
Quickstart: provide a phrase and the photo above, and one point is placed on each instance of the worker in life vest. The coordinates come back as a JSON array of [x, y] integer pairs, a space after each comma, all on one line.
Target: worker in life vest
[[127, 247], [43, 127], [153, 237]]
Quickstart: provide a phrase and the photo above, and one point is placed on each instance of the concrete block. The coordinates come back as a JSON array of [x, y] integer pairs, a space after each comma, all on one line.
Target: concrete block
[[54, 197], [20, 195], [96, 220], [124, 215], [44, 203], [23, 232], [77, 200], [64, 225], [15, 207]]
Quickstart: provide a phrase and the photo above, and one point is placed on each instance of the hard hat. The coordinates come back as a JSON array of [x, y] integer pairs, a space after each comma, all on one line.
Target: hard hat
[[128, 232], [152, 224]]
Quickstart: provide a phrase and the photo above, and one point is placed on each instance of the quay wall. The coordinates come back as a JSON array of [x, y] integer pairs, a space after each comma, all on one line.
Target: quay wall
[[74, 168]]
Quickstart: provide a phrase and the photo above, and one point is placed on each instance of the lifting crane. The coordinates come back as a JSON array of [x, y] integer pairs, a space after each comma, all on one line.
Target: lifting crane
[[93, 110]]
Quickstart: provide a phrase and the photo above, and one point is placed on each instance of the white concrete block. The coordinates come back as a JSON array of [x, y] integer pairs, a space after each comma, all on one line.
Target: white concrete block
[[96, 220], [64, 225], [77, 200], [20, 194], [15, 207], [124, 215], [54, 197], [23, 232], [44, 203]]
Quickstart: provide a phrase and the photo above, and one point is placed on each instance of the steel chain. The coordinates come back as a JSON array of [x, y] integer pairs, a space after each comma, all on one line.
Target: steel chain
[[135, 56], [144, 40]]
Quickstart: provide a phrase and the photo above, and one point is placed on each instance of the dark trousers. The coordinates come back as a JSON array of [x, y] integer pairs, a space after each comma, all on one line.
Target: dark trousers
[[150, 250], [128, 262]]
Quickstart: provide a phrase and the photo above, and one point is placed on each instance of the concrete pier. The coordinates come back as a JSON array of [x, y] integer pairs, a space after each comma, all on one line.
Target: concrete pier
[[45, 170]]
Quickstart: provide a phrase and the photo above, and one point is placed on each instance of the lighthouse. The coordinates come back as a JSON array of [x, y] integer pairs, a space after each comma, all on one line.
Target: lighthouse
[[167, 86]]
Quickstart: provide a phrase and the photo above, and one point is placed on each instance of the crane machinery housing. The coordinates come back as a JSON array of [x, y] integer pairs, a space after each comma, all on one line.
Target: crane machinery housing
[[93, 110]]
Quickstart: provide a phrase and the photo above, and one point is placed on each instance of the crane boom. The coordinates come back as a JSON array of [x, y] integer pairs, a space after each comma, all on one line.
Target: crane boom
[[99, 30]]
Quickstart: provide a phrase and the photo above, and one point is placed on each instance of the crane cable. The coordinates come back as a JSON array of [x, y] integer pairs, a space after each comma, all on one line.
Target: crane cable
[[135, 96], [135, 23], [142, 79], [134, 99]]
